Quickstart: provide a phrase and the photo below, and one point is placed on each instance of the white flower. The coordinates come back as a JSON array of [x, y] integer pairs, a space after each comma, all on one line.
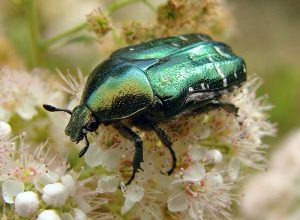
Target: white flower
[[10, 189], [17, 97], [55, 194], [5, 129], [133, 194], [108, 184], [26, 203], [200, 196], [48, 215]]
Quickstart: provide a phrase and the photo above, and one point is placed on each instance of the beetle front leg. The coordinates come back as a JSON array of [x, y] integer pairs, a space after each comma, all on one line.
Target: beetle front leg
[[138, 143]]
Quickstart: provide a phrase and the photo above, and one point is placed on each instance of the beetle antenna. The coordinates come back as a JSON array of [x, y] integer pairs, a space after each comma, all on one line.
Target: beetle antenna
[[51, 108], [87, 144]]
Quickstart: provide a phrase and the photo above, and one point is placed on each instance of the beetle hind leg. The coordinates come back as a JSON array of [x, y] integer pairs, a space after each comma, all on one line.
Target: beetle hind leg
[[216, 104], [138, 143]]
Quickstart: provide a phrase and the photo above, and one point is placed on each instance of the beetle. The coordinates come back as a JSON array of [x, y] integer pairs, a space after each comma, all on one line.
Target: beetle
[[150, 83]]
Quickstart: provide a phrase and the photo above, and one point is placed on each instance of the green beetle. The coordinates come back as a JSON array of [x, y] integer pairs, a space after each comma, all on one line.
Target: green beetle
[[152, 82]]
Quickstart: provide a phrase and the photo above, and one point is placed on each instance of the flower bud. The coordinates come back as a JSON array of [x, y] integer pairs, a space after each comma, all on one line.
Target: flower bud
[[48, 215], [26, 203], [55, 194], [5, 129]]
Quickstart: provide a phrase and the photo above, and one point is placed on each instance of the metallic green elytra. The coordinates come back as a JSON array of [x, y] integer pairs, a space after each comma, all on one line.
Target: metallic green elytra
[[153, 82]]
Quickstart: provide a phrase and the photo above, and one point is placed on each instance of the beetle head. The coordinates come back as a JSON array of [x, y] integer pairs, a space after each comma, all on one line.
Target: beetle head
[[80, 123]]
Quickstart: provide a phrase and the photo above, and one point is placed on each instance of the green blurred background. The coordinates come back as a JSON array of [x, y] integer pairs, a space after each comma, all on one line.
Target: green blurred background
[[267, 35]]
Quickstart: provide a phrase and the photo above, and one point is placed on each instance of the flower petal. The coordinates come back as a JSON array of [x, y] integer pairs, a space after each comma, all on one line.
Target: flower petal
[[126, 206], [214, 179], [10, 189], [69, 182], [234, 168], [194, 173], [134, 193], [93, 156], [108, 184], [177, 202]]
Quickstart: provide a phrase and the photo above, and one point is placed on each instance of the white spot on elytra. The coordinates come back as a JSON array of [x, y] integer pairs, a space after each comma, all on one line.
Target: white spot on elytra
[[182, 38], [191, 89], [219, 71], [244, 68], [174, 44], [203, 86], [131, 49], [200, 37], [235, 74], [219, 51]]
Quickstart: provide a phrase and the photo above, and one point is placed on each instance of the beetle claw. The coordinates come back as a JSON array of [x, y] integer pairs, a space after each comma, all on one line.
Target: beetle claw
[[169, 173]]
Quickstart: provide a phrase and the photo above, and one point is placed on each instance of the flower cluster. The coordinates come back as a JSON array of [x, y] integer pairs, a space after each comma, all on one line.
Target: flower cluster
[[17, 97], [174, 17], [37, 183], [212, 149]]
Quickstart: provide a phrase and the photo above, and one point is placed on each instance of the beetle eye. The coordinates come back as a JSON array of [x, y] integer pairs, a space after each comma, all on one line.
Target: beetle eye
[[92, 126]]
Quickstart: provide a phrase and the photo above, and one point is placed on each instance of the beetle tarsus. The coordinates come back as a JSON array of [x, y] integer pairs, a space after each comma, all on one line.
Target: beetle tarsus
[[138, 143]]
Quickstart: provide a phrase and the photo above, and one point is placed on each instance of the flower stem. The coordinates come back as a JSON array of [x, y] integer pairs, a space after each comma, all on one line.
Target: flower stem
[[121, 3], [116, 5], [65, 34], [152, 7], [34, 35]]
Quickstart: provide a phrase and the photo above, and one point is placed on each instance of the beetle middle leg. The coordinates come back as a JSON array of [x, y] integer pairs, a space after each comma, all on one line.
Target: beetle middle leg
[[166, 141], [146, 124], [138, 143]]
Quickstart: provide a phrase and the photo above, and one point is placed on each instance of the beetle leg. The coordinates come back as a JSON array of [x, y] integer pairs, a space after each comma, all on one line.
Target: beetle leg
[[215, 104], [138, 143], [166, 141], [87, 144]]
